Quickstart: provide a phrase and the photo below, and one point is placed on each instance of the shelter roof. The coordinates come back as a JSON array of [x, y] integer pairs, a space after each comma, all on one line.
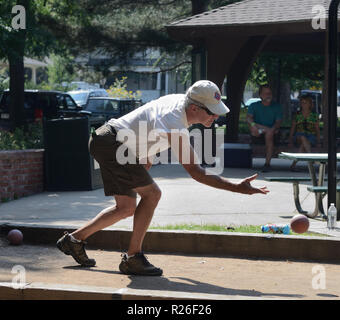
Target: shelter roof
[[290, 25], [252, 12]]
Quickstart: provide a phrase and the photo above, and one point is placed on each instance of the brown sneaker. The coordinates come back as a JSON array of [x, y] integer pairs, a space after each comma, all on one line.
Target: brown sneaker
[[76, 250], [138, 265]]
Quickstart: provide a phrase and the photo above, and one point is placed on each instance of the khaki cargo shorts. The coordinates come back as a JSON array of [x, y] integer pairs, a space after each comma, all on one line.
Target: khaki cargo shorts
[[118, 179]]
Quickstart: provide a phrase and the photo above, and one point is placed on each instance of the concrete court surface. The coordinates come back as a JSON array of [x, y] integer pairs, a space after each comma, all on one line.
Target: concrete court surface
[[185, 276]]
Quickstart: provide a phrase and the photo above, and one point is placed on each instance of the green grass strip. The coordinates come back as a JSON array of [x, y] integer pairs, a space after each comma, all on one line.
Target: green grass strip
[[224, 228]]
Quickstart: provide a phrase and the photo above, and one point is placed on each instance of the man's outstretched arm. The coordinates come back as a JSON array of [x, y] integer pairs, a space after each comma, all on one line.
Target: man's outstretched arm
[[191, 165]]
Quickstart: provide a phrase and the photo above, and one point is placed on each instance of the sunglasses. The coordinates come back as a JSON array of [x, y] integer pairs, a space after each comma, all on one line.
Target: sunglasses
[[207, 111], [198, 104]]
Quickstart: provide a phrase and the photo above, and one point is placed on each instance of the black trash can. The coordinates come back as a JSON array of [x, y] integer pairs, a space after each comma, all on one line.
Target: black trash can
[[237, 155], [68, 163]]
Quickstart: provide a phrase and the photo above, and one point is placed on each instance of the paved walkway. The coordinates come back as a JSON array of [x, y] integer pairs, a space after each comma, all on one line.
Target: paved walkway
[[183, 201]]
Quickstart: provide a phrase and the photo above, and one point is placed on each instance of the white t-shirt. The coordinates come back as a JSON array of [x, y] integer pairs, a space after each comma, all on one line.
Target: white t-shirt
[[146, 127]]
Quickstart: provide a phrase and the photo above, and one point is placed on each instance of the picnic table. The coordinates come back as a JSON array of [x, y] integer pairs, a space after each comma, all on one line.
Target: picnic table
[[317, 180]]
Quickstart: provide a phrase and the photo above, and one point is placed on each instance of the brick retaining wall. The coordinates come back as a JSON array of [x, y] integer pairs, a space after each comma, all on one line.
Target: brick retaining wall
[[21, 173]]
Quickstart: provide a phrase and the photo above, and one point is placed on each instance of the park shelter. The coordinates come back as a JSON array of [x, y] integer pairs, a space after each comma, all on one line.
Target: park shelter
[[227, 41]]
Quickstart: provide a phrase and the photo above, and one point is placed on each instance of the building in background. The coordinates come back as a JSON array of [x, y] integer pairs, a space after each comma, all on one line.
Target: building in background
[[35, 70]]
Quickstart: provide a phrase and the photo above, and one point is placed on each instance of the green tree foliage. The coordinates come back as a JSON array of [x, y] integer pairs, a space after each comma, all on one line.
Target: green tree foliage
[[31, 39], [4, 79], [300, 71], [61, 70], [117, 27], [38, 40], [120, 28]]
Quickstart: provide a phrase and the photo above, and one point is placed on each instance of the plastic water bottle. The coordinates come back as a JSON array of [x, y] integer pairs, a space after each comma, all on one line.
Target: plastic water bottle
[[276, 228], [331, 216]]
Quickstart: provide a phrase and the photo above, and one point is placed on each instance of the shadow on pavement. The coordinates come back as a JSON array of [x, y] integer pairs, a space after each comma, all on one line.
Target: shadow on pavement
[[194, 286], [186, 285]]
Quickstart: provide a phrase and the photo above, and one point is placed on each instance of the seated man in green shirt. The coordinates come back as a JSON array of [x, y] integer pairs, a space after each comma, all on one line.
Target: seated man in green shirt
[[264, 118]]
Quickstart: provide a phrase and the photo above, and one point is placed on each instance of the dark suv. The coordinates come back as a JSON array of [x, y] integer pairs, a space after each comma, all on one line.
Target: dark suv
[[39, 104], [109, 107]]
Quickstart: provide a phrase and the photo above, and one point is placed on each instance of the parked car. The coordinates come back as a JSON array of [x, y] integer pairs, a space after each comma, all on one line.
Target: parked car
[[39, 104], [110, 107], [81, 97], [83, 85], [250, 101]]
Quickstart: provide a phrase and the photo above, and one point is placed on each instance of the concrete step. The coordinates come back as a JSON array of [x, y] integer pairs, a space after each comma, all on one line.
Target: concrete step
[[255, 245]]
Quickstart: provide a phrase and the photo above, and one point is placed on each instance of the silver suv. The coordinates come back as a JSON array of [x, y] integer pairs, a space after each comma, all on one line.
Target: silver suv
[[81, 97]]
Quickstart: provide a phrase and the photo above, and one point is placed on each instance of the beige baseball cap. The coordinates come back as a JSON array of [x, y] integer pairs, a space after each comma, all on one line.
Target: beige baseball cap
[[207, 94]]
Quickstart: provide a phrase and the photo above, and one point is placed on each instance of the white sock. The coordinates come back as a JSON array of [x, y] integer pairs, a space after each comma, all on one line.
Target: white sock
[[128, 257], [73, 239]]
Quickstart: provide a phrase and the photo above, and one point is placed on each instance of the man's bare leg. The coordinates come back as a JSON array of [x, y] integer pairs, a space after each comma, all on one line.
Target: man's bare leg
[[150, 195], [134, 262], [68, 244], [125, 207]]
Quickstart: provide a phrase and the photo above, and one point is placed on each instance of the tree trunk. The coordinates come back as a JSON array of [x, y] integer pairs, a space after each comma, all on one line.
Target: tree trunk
[[16, 87], [16, 72], [281, 92], [284, 100]]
